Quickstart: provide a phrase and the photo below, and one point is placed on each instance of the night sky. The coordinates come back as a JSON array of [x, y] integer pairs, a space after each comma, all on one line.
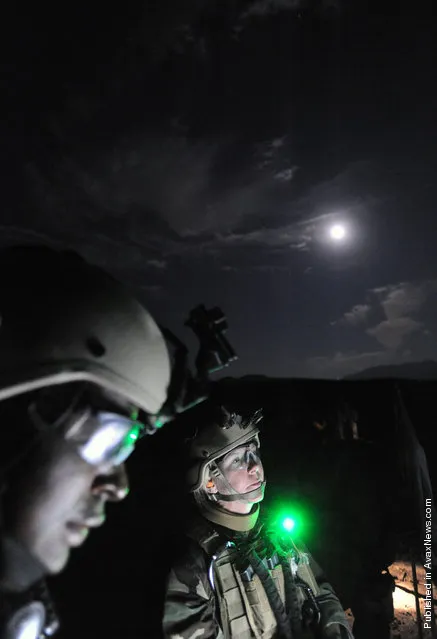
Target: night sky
[[202, 152]]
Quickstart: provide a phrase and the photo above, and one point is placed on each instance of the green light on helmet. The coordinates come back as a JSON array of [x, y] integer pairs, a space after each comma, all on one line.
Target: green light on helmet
[[134, 434]]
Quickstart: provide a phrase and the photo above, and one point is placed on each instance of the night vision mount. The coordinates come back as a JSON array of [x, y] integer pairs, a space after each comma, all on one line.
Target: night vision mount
[[186, 389], [234, 419]]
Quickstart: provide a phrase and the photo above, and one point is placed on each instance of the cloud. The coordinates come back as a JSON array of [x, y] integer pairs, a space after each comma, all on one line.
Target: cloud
[[191, 216], [196, 188], [9, 235], [265, 7], [399, 307], [152, 289], [405, 298], [159, 264], [299, 223], [291, 236], [256, 268], [391, 333], [286, 174], [274, 155], [391, 315], [262, 8], [172, 195], [270, 268], [356, 316], [401, 303]]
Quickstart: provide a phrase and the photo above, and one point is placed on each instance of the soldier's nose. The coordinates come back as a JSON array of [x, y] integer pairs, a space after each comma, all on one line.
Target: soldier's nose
[[112, 485]]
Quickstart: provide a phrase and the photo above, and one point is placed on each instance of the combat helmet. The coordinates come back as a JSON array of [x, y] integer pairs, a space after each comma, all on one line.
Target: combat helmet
[[63, 320], [224, 432]]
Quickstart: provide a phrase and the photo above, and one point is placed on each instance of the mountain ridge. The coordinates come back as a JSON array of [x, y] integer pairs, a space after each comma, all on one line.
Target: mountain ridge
[[426, 370]]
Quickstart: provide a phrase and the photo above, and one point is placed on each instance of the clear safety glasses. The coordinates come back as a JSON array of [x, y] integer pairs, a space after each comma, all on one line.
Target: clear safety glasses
[[101, 437], [241, 458]]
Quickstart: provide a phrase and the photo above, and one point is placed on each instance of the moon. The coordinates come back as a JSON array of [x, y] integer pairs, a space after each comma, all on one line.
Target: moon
[[337, 232]]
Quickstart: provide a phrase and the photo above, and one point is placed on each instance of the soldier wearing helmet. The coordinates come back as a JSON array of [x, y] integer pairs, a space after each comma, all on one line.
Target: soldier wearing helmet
[[82, 367], [235, 578]]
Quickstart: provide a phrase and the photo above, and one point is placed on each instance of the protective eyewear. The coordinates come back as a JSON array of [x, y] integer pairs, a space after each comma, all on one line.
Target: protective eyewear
[[241, 458], [101, 437]]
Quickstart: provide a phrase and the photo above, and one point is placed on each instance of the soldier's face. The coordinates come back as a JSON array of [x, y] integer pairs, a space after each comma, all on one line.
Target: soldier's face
[[58, 499], [243, 472]]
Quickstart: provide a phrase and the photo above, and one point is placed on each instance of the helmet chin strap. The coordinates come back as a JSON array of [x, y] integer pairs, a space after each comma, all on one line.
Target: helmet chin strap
[[239, 496]]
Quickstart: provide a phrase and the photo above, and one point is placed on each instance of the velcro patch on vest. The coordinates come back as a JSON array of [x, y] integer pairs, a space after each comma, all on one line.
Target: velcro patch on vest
[[245, 603], [260, 612], [234, 603], [278, 578], [240, 628], [227, 577]]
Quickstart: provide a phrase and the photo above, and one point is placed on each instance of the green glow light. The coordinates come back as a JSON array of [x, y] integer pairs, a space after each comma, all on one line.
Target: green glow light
[[288, 523], [133, 435], [290, 518]]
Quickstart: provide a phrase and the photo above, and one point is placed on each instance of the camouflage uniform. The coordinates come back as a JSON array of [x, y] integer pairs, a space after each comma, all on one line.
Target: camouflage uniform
[[235, 580], [197, 605]]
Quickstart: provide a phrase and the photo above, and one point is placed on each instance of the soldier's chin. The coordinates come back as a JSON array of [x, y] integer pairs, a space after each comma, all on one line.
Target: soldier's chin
[[258, 495], [53, 558]]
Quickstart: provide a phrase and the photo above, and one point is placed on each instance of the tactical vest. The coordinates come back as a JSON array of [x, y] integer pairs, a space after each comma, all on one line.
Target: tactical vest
[[245, 610]]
